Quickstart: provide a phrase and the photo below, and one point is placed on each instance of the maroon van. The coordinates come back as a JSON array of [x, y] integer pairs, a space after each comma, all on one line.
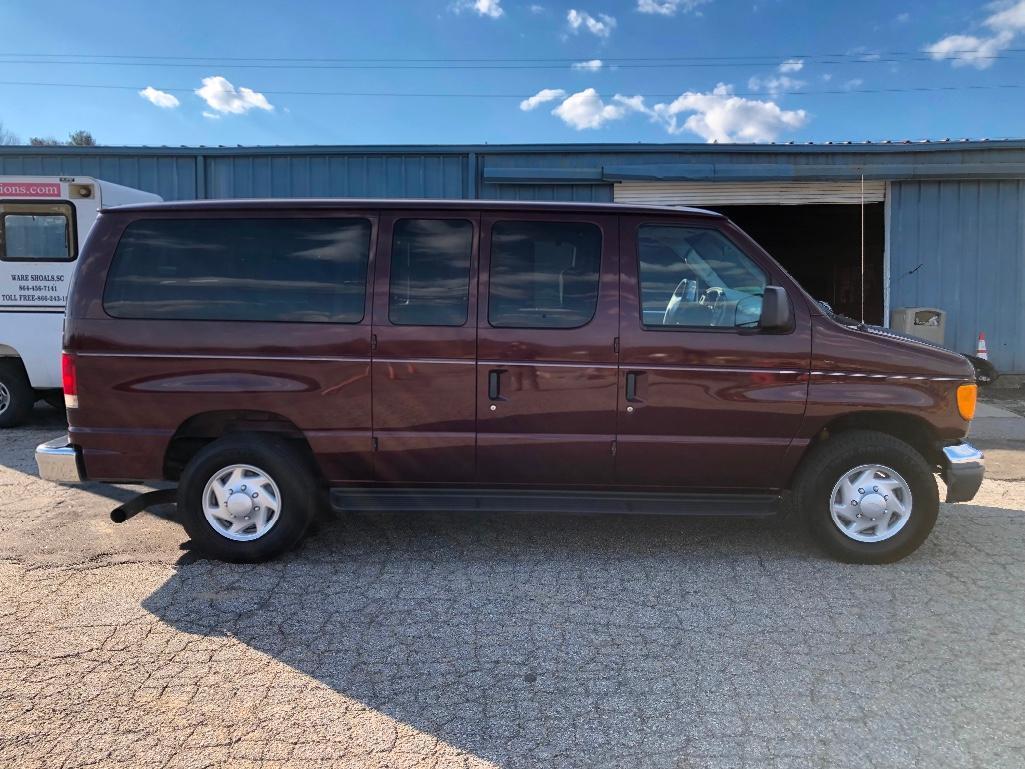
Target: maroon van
[[408, 355]]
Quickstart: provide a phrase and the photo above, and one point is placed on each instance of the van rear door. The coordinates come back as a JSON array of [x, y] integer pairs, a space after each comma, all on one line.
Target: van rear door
[[546, 368]]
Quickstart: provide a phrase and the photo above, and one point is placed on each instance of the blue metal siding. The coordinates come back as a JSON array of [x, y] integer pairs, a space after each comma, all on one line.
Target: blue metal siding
[[580, 193], [345, 175], [967, 241], [171, 177], [966, 230]]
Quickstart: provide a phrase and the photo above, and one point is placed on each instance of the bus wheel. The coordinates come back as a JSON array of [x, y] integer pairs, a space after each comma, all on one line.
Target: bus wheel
[[16, 394]]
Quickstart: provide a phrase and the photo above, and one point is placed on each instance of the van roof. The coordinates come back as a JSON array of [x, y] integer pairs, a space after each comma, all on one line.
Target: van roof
[[251, 204]]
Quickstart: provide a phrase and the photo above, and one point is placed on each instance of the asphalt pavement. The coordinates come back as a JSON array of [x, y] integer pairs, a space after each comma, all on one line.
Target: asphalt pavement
[[457, 640]]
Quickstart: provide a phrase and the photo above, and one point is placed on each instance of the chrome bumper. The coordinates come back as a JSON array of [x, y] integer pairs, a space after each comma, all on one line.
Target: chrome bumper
[[59, 461], [963, 468]]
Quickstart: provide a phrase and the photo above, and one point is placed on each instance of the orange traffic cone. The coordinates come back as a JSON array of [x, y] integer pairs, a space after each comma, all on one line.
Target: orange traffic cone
[[980, 350]]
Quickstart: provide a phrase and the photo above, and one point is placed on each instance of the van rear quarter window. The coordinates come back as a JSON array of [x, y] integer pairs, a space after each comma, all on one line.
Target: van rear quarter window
[[544, 274], [298, 270]]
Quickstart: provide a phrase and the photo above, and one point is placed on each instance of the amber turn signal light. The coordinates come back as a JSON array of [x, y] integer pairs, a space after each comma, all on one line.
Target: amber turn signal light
[[966, 396]]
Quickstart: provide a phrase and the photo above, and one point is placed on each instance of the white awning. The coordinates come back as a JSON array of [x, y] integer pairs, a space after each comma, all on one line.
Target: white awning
[[747, 193]]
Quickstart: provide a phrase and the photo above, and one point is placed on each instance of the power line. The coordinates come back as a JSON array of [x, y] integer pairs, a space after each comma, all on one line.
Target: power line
[[456, 67], [748, 58], [405, 95]]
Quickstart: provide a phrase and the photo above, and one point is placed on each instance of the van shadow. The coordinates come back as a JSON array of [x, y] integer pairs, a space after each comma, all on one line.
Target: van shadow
[[534, 640]]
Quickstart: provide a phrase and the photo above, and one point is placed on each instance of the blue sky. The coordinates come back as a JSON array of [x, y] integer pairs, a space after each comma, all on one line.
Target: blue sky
[[217, 72]]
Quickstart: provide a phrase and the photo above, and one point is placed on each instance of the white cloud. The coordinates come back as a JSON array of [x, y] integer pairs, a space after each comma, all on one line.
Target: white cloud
[[541, 97], [537, 8], [222, 97], [490, 8], [717, 116], [902, 18], [160, 98], [775, 86], [969, 50], [978, 51], [791, 65], [669, 7], [587, 110], [1011, 17], [826, 77], [601, 26], [721, 116], [588, 66], [853, 83]]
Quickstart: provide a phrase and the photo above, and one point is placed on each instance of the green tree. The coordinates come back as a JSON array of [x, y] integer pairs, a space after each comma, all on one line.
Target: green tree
[[75, 139], [81, 139]]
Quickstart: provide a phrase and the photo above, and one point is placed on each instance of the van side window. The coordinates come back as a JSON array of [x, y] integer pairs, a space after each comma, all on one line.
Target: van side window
[[37, 232], [299, 270], [544, 274], [694, 276], [430, 272]]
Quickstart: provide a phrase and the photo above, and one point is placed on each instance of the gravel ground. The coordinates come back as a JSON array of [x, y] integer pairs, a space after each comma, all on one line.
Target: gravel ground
[[514, 641]]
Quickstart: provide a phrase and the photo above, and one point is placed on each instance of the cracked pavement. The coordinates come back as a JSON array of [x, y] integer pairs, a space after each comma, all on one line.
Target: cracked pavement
[[514, 641]]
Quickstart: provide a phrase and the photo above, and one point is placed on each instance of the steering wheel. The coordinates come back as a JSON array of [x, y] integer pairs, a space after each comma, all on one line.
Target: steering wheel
[[673, 305], [714, 298]]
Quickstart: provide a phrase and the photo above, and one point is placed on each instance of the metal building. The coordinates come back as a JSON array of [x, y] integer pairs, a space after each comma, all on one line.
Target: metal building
[[943, 222]]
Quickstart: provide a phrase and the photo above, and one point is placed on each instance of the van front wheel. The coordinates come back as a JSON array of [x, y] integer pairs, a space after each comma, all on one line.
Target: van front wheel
[[867, 497], [247, 498], [16, 394]]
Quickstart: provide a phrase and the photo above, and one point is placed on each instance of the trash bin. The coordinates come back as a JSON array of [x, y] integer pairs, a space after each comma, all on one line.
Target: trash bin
[[926, 323]]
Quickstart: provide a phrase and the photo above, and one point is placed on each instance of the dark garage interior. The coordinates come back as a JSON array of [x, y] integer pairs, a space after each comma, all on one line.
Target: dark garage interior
[[820, 245]]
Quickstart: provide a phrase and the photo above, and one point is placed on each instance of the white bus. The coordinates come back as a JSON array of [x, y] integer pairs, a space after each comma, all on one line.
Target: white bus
[[43, 223]]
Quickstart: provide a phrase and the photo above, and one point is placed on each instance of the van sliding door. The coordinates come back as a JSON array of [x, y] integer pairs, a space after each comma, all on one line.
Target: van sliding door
[[546, 368]]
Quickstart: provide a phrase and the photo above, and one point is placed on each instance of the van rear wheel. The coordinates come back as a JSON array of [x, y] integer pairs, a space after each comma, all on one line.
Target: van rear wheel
[[247, 498], [867, 497], [16, 394]]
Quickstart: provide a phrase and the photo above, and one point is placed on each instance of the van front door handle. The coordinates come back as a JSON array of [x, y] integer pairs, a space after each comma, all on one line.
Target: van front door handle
[[495, 384], [631, 386]]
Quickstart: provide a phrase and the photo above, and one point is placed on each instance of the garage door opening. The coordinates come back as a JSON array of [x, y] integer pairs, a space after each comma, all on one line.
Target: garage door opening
[[820, 245]]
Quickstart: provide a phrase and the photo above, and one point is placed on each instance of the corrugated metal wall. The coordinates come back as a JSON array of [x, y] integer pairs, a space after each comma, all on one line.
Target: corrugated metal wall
[[960, 246], [172, 177], [303, 176], [968, 236]]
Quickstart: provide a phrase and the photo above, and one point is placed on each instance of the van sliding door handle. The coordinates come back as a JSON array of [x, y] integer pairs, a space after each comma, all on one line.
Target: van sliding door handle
[[631, 386], [495, 384]]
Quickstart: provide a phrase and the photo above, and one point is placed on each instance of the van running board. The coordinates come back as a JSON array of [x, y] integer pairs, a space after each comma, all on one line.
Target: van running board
[[574, 502]]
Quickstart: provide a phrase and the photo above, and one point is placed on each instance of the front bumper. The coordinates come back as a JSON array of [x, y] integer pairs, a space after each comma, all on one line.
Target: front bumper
[[963, 468], [59, 461]]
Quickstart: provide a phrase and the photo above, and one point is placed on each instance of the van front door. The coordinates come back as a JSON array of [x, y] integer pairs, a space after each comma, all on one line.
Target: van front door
[[706, 399], [425, 341], [546, 368]]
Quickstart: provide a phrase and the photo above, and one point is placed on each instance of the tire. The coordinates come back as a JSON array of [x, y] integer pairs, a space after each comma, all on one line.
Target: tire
[[16, 394], [867, 457], [293, 488]]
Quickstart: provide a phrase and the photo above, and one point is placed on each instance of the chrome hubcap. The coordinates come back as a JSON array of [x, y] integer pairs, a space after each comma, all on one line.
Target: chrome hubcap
[[871, 503], [241, 502], [5, 397]]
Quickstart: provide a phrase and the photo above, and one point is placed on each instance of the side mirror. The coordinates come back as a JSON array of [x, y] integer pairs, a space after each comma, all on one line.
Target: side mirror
[[777, 314]]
